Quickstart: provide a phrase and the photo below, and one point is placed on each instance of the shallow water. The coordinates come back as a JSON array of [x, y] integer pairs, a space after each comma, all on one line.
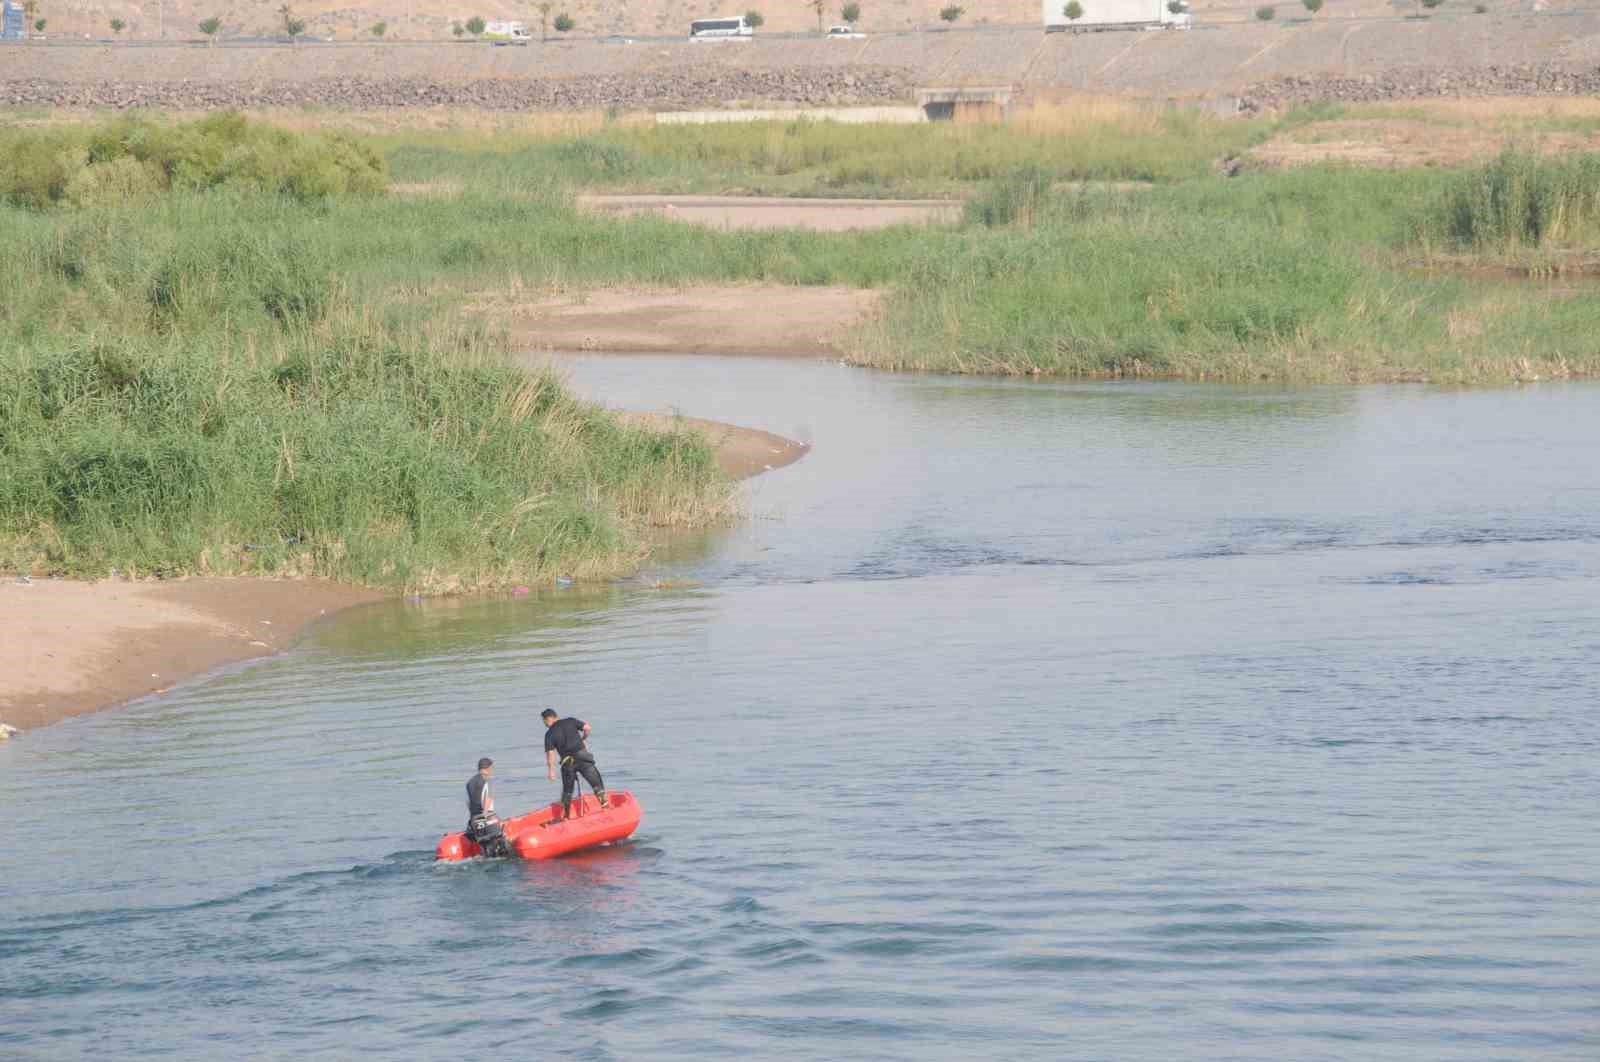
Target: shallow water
[[1022, 719]]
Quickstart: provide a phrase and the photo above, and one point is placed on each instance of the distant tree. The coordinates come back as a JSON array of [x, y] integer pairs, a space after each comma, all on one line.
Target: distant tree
[[1073, 10], [379, 29], [117, 25], [1312, 6], [755, 18], [457, 28], [819, 6], [850, 12], [1431, 4], [1177, 7], [1266, 14], [1480, 9], [291, 25], [476, 24], [211, 27], [544, 18], [952, 13], [40, 24], [565, 23]]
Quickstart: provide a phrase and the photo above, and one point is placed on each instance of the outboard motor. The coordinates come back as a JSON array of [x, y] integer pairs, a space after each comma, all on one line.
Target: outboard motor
[[489, 834]]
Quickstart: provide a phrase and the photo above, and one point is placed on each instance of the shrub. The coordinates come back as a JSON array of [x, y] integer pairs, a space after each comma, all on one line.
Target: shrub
[[1016, 199], [1312, 6], [119, 180], [379, 28], [1073, 10], [850, 12], [475, 25], [564, 23], [755, 18], [1266, 14], [133, 157], [117, 25], [1520, 201], [952, 12]]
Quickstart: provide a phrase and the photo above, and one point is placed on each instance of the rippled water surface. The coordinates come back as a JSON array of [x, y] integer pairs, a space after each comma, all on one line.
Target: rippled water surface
[[1021, 720]]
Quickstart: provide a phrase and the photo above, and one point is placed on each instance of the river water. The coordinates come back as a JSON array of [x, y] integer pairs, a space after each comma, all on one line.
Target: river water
[[1024, 720]]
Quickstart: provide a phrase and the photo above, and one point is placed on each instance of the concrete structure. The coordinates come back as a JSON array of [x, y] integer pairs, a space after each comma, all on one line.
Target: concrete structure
[[965, 101]]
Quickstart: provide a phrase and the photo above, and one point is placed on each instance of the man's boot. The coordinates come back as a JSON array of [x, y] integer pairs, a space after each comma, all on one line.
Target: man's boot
[[601, 794]]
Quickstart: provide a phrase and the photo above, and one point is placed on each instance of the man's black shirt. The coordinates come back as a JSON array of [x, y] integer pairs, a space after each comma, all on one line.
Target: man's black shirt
[[565, 737], [477, 790]]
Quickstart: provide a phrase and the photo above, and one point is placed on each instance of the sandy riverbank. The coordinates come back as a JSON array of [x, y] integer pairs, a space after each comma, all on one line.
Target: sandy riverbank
[[773, 320], [72, 647]]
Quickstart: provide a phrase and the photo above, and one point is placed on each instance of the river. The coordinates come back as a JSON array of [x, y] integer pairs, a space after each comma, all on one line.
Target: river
[[1020, 719]]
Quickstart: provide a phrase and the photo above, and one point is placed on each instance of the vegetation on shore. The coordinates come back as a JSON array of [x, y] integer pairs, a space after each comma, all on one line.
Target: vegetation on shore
[[1101, 243], [227, 348], [1103, 140], [201, 379]]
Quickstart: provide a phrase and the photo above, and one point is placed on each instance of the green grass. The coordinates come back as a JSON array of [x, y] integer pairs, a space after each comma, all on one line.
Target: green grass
[[1300, 276], [1520, 203], [216, 379], [802, 157], [134, 158]]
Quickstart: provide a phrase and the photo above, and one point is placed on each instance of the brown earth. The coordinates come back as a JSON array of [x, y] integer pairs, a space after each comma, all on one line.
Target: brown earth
[[766, 320], [73, 647], [757, 212], [1397, 142]]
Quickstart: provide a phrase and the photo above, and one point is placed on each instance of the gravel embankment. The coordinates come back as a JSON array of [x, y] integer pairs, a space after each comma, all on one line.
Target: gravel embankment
[[1422, 83], [660, 90]]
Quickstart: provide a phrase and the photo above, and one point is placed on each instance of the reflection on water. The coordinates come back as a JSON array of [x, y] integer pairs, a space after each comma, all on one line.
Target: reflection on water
[[1033, 719]]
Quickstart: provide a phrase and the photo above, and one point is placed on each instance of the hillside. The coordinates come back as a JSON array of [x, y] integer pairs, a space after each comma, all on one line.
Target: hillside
[[405, 19]]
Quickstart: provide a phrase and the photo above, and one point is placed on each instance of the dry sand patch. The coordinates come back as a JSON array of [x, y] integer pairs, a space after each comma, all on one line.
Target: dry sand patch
[[72, 647], [770, 320], [764, 212], [1403, 142]]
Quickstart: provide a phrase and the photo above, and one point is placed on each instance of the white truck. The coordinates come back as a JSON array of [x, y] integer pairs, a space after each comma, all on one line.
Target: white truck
[[506, 33], [1115, 14]]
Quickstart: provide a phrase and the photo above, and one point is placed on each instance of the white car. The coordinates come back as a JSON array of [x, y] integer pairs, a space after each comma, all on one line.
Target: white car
[[845, 33]]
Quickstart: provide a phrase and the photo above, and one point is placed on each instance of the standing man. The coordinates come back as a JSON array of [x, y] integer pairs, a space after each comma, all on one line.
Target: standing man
[[563, 744], [483, 825]]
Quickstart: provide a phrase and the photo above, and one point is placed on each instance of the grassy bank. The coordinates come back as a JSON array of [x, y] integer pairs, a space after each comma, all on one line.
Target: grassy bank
[[199, 376], [1315, 274], [1093, 140]]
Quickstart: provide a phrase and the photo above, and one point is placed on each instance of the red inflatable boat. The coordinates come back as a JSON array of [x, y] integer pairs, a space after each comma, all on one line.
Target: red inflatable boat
[[537, 835]]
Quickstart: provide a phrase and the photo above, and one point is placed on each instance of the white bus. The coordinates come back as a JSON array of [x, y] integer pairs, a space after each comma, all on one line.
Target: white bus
[[732, 28]]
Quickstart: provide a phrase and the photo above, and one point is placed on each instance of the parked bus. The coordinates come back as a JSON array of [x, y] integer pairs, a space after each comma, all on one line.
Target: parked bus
[[732, 28]]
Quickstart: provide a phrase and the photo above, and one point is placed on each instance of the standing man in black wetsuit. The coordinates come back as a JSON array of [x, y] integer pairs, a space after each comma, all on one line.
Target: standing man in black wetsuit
[[563, 745]]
